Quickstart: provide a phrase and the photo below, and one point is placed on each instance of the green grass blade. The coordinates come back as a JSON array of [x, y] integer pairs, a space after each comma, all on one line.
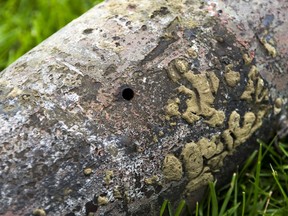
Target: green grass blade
[[163, 207], [283, 147], [275, 176], [270, 148], [209, 204], [170, 211], [201, 213], [243, 203], [248, 162], [257, 182], [214, 201], [232, 210], [166, 206], [228, 195], [235, 202], [197, 209], [180, 208]]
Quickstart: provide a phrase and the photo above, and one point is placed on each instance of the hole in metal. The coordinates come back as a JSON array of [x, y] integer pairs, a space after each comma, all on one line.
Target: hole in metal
[[127, 94]]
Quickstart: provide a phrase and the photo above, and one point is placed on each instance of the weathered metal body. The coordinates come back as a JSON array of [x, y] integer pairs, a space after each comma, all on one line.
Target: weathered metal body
[[137, 101]]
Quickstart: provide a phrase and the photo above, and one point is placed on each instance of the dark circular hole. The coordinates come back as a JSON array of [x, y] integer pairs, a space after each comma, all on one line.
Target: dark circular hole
[[127, 94]]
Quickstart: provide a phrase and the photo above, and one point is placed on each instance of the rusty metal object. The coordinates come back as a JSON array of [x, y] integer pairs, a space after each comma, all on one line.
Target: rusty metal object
[[137, 101]]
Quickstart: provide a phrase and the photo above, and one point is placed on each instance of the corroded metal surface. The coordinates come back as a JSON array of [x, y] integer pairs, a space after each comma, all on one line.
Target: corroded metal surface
[[137, 101]]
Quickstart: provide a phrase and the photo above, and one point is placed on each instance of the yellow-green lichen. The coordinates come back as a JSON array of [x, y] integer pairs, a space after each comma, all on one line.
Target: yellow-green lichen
[[172, 168], [199, 182], [116, 193], [201, 98], [181, 65], [108, 177], [261, 93], [232, 78], [152, 180], [193, 160], [255, 88], [269, 47], [249, 90], [172, 108], [39, 212], [67, 191], [87, 171], [172, 73], [247, 59], [102, 200], [229, 141], [278, 105], [208, 147], [127, 197], [192, 52], [155, 139], [173, 124], [271, 50], [206, 98], [200, 156], [250, 124], [216, 119], [217, 161], [193, 153], [213, 82]]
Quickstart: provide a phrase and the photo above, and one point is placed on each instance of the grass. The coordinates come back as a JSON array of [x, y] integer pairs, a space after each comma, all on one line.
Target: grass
[[25, 23], [260, 188]]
